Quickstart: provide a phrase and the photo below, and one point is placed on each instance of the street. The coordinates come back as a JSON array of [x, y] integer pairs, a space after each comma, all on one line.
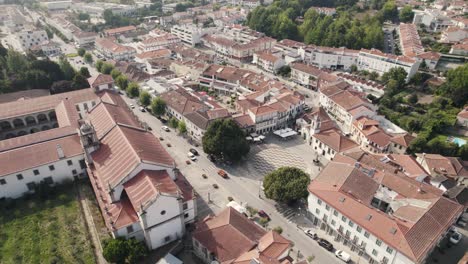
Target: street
[[243, 188]]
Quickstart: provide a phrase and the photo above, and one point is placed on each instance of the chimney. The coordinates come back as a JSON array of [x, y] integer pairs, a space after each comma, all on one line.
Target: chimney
[[60, 153]]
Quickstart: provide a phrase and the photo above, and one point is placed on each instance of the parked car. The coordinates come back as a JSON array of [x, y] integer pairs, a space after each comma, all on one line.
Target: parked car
[[142, 109], [163, 120], [262, 213], [222, 173], [191, 156], [311, 233], [132, 106], [343, 256], [461, 223], [165, 128], [455, 237], [194, 151], [325, 244]]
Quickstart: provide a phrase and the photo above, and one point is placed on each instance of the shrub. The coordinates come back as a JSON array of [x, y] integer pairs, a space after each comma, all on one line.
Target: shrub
[[230, 198], [278, 229], [263, 221]]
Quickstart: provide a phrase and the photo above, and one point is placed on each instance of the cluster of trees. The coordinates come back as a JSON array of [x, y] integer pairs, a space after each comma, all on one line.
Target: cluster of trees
[[22, 72], [122, 251], [87, 57], [286, 185], [131, 88], [430, 121], [182, 7], [225, 141]]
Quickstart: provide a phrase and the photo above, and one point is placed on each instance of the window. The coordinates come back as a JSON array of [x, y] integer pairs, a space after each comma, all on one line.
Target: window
[[385, 260], [343, 218], [359, 229], [378, 242], [366, 234], [327, 207], [163, 212], [319, 202], [129, 229], [74, 172], [48, 180], [2, 181], [31, 186], [184, 206], [389, 250], [317, 211], [167, 239], [186, 215], [350, 223], [36, 172], [51, 167], [70, 162], [335, 213], [333, 222], [19, 177], [374, 252]]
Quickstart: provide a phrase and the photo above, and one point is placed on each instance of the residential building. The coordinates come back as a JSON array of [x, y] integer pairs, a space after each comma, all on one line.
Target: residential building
[[363, 85], [462, 118], [119, 31], [410, 42], [190, 34], [376, 61], [430, 58], [57, 5], [460, 49], [164, 40], [384, 217], [231, 237], [48, 48], [30, 38], [454, 34], [450, 167], [329, 58], [83, 38], [305, 74], [268, 61], [114, 51], [101, 82], [180, 102], [147, 56], [433, 19], [198, 122]]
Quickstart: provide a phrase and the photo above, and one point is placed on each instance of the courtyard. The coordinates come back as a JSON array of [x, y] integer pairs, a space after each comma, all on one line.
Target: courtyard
[[47, 227]]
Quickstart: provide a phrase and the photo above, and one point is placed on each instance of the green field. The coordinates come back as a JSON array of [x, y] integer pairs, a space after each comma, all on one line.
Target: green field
[[44, 230]]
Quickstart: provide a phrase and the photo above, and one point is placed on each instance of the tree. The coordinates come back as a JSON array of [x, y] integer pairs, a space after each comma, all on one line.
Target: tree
[[278, 229], [81, 52], [145, 98], [85, 72], [158, 106], [98, 65], [16, 62], [80, 82], [389, 11], [373, 76], [115, 250], [83, 16], [136, 250], [225, 140], [463, 152], [284, 71], [173, 122], [456, 86], [88, 58], [61, 87], [122, 82], [286, 184], [413, 99], [406, 14], [67, 69], [133, 90], [353, 68], [106, 68], [115, 73], [398, 74], [182, 127]]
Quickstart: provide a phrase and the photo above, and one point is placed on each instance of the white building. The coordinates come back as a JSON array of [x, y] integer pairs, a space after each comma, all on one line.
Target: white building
[[305, 75], [190, 34], [432, 19], [114, 51], [57, 5], [453, 35], [268, 61], [387, 219], [376, 61], [29, 38], [329, 58]]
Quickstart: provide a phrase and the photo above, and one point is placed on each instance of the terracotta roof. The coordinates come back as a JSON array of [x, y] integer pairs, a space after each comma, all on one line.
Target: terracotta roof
[[267, 56], [145, 187], [262, 110], [309, 69], [100, 79], [410, 166], [203, 119], [348, 100], [244, 121], [39, 154], [335, 140], [430, 55], [23, 95], [403, 140], [463, 113], [160, 53], [113, 47], [119, 30], [182, 101], [450, 166]]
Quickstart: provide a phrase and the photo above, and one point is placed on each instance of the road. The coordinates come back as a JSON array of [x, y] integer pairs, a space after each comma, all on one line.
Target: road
[[243, 189]]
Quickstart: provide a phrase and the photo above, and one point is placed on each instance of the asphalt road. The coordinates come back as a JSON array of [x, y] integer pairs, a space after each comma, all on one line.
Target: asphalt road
[[241, 188]]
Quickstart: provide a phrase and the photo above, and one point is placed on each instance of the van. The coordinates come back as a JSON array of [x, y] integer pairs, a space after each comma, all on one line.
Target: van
[[343, 256]]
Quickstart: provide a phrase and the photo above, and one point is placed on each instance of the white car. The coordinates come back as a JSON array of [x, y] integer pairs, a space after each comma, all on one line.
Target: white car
[[455, 237], [191, 156], [310, 233], [132, 106], [165, 128], [343, 256]]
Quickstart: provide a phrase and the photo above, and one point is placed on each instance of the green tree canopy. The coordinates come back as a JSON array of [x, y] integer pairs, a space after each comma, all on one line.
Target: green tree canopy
[[133, 90], [406, 14], [67, 69], [122, 82], [225, 140], [80, 82], [145, 98], [81, 52], [16, 62], [456, 86], [88, 57], [158, 106], [115, 73], [98, 65], [85, 72], [122, 251], [286, 184], [182, 127], [107, 68], [173, 122]]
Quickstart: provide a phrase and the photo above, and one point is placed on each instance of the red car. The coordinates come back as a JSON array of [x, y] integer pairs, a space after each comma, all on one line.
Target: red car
[[222, 174], [262, 213]]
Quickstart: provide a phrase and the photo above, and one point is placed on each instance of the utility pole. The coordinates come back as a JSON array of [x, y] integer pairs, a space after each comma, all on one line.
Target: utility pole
[[209, 201]]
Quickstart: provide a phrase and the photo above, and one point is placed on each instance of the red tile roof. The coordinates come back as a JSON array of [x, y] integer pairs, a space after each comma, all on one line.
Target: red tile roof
[[335, 140], [119, 30], [100, 79]]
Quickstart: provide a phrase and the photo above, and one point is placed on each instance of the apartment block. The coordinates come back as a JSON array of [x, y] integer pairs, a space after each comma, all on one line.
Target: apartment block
[[376, 61]]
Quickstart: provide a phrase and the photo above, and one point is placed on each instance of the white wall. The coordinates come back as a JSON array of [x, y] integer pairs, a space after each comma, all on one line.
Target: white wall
[[15, 188]]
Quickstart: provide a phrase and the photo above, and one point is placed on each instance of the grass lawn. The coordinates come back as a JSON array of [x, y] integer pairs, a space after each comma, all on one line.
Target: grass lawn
[[72, 55], [45, 230]]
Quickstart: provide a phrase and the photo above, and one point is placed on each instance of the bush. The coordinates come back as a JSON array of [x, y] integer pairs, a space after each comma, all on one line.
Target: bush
[[278, 229], [263, 221], [121, 250], [230, 198]]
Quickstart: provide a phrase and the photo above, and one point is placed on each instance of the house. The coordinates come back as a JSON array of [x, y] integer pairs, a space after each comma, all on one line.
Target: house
[[140, 192], [84, 38], [231, 237], [450, 167], [376, 61], [328, 57], [48, 48], [160, 41], [324, 10], [305, 74], [101, 82], [190, 34], [410, 42], [180, 102], [430, 58], [462, 118], [114, 51], [119, 31], [460, 49], [146, 56], [30, 38], [268, 61], [382, 216], [198, 122], [327, 143], [454, 34]]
